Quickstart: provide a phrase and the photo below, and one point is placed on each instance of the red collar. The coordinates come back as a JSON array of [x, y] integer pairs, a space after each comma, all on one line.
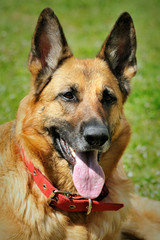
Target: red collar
[[65, 200]]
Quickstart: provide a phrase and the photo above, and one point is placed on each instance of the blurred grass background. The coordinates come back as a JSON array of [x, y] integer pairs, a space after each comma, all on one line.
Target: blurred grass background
[[86, 25]]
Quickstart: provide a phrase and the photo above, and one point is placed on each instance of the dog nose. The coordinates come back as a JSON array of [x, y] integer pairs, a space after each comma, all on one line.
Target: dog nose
[[96, 135]]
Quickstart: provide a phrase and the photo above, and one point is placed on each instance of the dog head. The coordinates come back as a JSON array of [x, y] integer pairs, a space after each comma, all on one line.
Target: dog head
[[75, 106]]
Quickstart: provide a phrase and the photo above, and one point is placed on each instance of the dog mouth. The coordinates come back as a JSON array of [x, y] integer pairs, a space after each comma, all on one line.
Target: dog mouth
[[68, 153], [88, 176]]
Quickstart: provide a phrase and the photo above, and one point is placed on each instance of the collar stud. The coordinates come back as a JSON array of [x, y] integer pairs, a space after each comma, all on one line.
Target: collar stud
[[72, 206]]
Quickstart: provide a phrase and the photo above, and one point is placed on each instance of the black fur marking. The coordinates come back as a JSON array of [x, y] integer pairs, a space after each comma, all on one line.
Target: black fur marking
[[40, 83], [130, 236], [119, 51], [73, 135], [119, 46], [124, 86]]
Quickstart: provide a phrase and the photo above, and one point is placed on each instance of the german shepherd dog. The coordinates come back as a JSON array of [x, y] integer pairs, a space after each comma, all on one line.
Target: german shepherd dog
[[67, 140]]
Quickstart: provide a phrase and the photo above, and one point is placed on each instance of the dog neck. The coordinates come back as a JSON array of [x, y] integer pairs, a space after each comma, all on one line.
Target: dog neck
[[65, 200]]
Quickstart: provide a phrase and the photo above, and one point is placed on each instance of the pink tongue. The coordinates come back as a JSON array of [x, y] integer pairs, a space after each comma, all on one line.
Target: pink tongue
[[88, 176]]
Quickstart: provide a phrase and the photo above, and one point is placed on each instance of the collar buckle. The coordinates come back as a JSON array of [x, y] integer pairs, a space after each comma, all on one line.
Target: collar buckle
[[66, 193], [53, 196]]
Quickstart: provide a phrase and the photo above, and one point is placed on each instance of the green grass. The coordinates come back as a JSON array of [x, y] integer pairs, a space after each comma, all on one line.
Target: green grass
[[86, 25]]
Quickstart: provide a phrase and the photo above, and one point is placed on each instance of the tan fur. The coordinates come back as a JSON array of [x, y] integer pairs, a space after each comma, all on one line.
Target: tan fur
[[143, 219], [24, 206], [24, 210]]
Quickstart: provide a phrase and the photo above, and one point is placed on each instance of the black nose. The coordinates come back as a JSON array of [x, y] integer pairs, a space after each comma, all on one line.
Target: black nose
[[96, 135]]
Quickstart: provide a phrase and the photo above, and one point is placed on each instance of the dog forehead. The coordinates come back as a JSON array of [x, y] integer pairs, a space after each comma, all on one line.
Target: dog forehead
[[84, 73]]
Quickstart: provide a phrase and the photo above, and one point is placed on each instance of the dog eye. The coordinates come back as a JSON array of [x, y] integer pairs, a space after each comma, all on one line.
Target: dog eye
[[68, 96], [108, 98]]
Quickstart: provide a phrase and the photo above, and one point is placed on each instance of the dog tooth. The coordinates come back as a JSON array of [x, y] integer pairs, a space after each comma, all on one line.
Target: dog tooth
[[73, 152]]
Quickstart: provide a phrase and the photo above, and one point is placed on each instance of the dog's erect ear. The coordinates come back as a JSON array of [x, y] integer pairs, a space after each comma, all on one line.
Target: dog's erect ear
[[49, 49], [119, 51]]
